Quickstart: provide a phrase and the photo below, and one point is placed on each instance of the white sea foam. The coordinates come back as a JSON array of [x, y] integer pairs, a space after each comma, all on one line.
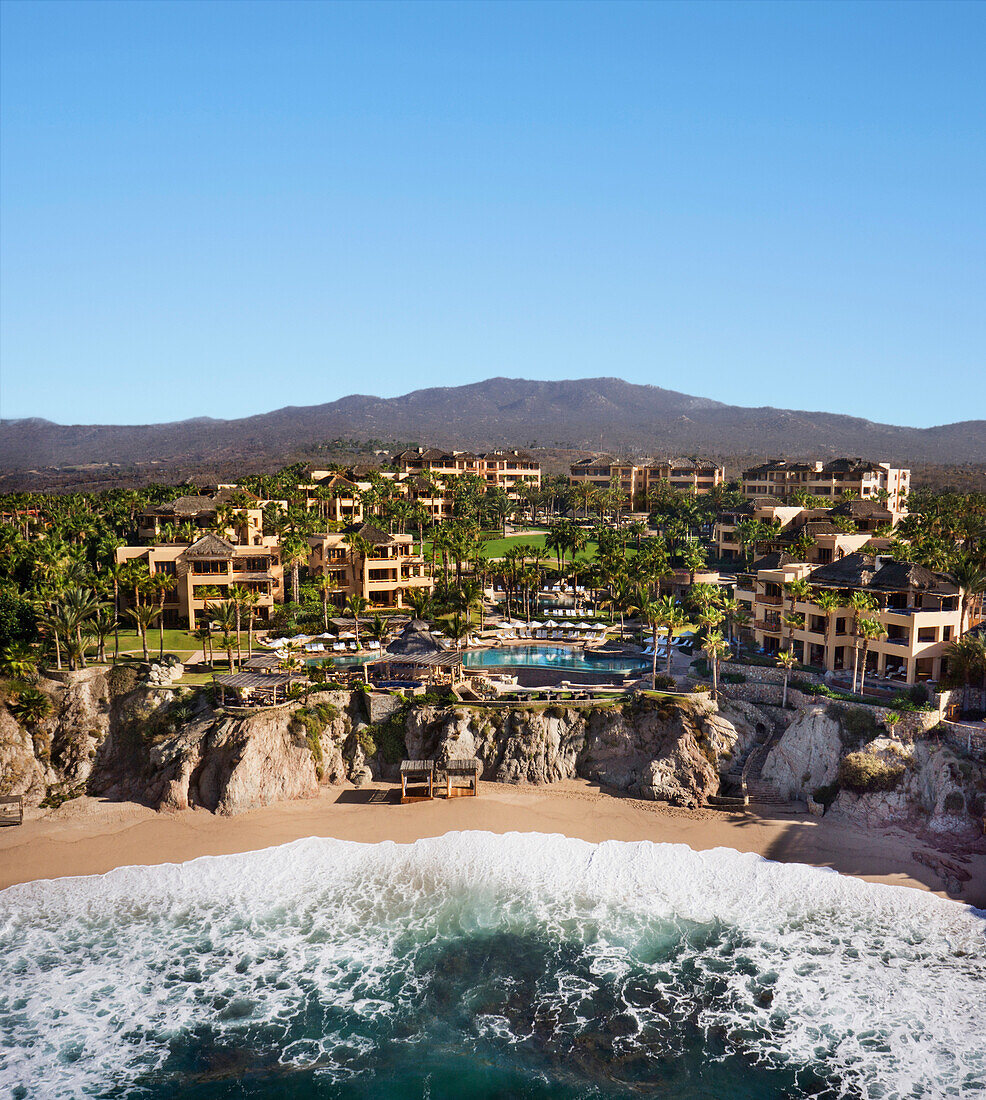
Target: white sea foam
[[883, 988]]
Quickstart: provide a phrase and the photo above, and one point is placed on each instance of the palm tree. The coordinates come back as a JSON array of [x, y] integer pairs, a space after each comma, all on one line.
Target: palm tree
[[828, 603], [356, 605], [860, 602], [226, 620], [143, 615], [203, 634], [238, 597], [31, 705], [162, 583], [227, 642], [969, 573], [103, 624], [786, 660], [651, 611], [869, 630], [670, 616], [114, 574], [717, 649], [966, 662], [19, 662], [457, 628], [326, 584], [294, 551], [251, 600]]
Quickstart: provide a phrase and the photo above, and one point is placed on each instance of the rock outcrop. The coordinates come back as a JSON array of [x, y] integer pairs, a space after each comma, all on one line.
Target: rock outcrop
[[807, 755], [668, 750], [917, 782]]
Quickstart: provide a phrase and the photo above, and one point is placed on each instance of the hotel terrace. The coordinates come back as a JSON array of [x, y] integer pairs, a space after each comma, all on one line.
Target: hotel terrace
[[638, 481], [384, 575], [918, 609], [867, 480]]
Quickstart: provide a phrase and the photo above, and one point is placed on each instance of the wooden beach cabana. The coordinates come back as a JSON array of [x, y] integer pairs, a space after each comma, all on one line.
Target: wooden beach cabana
[[466, 768], [418, 772]]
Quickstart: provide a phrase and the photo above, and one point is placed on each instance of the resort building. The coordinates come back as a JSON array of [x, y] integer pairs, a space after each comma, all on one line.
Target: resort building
[[833, 532], [511, 471], [383, 570], [232, 513], [204, 572], [336, 498], [867, 480], [918, 609], [638, 481]]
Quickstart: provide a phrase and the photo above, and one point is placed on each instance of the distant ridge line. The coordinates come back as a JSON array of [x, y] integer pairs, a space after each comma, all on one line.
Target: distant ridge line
[[585, 414]]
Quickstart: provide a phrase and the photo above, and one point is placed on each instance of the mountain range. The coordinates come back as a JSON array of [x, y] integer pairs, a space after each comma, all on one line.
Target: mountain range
[[586, 414]]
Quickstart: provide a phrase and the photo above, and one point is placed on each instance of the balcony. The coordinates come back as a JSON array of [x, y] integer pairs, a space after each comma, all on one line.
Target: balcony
[[767, 627], [772, 601]]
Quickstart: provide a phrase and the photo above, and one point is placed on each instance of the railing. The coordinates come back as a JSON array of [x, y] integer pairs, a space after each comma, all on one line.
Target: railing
[[774, 601], [768, 628]]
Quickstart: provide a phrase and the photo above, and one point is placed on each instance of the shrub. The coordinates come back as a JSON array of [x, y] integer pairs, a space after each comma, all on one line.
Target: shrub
[[31, 705], [313, 721], [865, 773], [663, 682], [858, 725], [954, 803], [826, 795]]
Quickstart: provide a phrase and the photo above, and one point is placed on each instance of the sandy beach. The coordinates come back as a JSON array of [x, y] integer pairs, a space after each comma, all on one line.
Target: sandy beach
[[89, 836]]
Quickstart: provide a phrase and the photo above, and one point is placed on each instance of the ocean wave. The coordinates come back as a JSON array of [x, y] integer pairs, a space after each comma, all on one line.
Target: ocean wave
[[597, 969]]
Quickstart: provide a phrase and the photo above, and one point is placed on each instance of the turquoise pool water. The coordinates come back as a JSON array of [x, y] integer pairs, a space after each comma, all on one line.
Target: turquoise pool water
[[560, 657]]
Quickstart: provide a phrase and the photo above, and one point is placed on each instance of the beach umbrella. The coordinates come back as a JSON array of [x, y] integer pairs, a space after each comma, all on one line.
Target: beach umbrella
[[535, 625], [346, 634]]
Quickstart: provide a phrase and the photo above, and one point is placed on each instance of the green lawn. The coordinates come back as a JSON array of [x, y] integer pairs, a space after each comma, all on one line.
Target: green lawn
[[496, 548]]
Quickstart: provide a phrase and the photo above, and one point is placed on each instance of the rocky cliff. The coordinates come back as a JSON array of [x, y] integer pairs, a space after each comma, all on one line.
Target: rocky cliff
[[669, 750], [844, 757], [168, 748]]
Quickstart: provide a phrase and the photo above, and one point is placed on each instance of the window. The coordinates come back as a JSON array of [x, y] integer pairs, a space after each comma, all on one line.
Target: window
[[209, 567], [165, 567], [928, 634]]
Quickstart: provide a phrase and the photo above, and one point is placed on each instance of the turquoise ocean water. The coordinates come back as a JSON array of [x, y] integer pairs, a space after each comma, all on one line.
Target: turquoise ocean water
[[482, 966]]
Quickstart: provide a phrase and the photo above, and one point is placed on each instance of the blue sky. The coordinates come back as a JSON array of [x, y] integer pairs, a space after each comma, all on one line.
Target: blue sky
[[220, 209]]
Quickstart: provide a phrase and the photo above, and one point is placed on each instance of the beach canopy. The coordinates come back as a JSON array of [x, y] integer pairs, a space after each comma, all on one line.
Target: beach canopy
[[347, 634]]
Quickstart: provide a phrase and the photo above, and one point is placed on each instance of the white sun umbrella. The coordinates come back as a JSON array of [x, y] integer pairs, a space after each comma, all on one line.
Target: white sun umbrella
[[347, 634], [535, 625], [299, 639], [551, 622]]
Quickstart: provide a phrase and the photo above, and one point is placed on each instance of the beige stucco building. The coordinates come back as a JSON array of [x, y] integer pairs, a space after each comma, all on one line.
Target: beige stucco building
[[918, 609], [867, 480], [638, 481], [384, 576], [204, 572]]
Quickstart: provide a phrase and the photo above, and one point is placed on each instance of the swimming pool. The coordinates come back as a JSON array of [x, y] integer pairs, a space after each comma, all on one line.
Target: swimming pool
[[560, 657]]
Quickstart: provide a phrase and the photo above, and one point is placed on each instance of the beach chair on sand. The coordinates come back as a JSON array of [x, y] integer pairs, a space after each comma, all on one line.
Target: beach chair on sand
[[458, 770], [419, 773], [12, 809]]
